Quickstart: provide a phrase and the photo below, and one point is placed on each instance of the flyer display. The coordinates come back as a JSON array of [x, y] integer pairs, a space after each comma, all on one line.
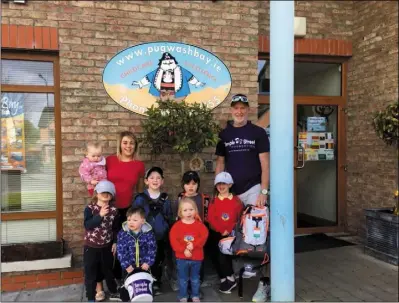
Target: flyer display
[[317, 146], [12, 134]]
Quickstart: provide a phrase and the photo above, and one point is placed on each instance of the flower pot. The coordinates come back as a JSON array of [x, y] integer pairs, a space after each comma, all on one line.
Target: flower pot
[[382, 237]]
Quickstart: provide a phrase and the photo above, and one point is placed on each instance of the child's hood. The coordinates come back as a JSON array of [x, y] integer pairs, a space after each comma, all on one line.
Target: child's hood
[[146, 228]]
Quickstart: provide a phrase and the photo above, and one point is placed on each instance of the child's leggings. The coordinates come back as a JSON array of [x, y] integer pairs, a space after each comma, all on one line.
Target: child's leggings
[[222, 263], [93, 258]]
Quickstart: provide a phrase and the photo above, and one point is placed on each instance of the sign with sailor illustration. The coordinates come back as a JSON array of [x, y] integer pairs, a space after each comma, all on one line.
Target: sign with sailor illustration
[[138, 76]]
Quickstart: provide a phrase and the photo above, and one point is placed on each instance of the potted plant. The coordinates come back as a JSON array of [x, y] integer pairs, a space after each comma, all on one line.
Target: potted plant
[[179, 127], [382, 224]]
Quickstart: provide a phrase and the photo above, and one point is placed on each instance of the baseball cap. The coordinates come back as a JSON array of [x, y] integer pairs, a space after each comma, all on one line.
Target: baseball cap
[[154, 169], [239, 98], [224, 177], [105, 186]]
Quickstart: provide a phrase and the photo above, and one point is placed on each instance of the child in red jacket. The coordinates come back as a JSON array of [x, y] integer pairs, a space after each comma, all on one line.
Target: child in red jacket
[[187, 238], [223, 214]]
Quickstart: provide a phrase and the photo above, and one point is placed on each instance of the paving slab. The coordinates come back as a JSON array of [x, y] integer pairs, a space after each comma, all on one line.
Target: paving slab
[[70, 293], [9, 296]]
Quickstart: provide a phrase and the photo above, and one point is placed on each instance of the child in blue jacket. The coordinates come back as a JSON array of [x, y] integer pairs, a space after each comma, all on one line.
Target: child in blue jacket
[[158, 214], [136, 233]]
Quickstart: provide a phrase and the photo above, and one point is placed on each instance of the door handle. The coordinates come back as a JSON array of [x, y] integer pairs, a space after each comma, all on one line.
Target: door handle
[[300, 148]]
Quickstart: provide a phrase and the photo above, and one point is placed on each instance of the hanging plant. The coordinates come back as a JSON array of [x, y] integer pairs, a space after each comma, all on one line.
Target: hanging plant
[[386, 124], [185, 128]]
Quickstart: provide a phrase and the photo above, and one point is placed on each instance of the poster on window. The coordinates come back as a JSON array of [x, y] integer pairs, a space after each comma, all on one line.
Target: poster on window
[[12, 134], [317, 146]]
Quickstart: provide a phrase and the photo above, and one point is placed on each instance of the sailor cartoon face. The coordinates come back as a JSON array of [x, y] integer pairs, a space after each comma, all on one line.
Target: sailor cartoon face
[[168, 64]]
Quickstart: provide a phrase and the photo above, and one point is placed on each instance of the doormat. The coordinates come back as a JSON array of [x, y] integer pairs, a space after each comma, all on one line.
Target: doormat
[[318, 242]]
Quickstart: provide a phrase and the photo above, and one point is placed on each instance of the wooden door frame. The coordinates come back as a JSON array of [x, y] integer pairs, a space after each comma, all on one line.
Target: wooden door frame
[[341, 103]]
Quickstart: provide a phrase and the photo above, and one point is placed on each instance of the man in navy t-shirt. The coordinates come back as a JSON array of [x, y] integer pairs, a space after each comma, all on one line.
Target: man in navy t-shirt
[[243, 151]]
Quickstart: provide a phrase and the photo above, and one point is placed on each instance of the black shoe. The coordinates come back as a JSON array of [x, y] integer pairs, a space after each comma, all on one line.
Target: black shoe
[[157, 289], [227, 286], [115, 297]]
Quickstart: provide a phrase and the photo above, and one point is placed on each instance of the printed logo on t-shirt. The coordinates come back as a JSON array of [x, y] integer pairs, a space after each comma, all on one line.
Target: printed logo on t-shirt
[[240, 145], [225, 217], [188, 238]]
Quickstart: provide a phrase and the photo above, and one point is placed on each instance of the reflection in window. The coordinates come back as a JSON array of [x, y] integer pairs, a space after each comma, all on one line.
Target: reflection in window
[[263, 77], [310, 79], [28, 152], [19, 72]]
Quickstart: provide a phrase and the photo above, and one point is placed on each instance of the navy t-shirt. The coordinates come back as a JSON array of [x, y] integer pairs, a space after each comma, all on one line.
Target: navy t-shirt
[[241, 146]]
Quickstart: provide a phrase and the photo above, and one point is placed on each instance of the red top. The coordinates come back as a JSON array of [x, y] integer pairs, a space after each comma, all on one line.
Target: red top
[[182, 233], [125, 176], [224, 213]]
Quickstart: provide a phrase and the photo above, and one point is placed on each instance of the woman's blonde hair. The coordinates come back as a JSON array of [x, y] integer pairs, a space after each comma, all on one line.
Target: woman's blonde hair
[[118, 147], [193, 204]]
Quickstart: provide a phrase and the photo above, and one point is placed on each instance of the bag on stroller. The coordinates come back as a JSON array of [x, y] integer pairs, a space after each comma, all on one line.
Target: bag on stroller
[[249, 239]]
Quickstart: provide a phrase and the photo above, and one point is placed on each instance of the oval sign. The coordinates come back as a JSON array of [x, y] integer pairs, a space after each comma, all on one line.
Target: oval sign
[[138, 76]]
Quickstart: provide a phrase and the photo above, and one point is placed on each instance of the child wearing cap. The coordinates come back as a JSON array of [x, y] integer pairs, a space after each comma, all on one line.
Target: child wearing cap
[[101, 227], [223, 214], [158, 214]]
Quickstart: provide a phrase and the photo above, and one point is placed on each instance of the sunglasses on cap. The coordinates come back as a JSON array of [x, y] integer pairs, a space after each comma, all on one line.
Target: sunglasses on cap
[[239, 98]]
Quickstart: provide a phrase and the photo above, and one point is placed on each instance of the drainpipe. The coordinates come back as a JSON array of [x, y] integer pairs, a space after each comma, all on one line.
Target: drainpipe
[[282, 150]]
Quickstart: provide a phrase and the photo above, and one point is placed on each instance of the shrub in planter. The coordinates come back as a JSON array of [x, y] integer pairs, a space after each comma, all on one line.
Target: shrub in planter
[[183, 128], [386, 124]]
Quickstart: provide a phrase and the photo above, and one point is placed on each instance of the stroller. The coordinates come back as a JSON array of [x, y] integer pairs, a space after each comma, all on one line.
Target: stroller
[[249, 241]]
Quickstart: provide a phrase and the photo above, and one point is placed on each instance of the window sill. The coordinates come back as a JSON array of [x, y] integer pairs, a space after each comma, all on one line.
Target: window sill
[[64, 262]]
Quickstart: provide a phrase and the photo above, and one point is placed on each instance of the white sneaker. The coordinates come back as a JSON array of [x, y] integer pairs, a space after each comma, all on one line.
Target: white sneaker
[[262, 293]]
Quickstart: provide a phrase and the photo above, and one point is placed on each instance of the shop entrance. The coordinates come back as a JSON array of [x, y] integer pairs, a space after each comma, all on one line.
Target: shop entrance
[[319, 143]]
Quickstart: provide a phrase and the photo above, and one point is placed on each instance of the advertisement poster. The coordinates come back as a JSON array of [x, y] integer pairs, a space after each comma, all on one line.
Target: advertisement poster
[[316, 124], [138, 76], [12, 134], [317, 146]]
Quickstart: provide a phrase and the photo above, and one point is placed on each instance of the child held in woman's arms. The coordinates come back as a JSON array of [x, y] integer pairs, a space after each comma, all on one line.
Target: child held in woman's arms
[[101, 226], [92, 169], [188, 237]]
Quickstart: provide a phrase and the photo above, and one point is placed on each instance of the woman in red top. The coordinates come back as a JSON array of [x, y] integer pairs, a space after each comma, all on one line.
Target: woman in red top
[[187, 238], [223, 214], [126, 172]]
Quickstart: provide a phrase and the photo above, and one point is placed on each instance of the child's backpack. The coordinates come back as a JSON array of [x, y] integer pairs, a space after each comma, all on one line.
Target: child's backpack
[[250, 234], [158, 212]]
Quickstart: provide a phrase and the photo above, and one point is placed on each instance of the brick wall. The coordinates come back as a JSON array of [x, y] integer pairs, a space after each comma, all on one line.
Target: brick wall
[[91, 33], [324, 19], [40, 279], [372, 84]]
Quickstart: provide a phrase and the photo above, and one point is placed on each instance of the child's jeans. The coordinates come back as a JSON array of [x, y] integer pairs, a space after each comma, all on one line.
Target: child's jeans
[[188, 270]]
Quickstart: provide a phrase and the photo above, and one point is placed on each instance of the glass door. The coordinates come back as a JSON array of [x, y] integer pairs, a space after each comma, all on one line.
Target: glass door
[[317, 167]]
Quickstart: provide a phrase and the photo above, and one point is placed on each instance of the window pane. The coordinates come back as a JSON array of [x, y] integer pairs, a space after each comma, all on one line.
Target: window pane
[[263, 77], [310, 79], [28, 152], [20, 72], [24, 231], [317, 79]]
